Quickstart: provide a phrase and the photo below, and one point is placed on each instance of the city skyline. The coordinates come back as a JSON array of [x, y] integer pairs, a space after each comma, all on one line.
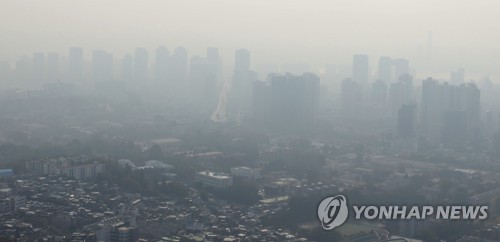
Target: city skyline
[[415, 30]]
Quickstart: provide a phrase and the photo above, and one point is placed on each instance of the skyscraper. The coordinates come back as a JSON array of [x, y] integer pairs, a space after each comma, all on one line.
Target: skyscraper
[[379, 93], [242, 83], [161, 64], [178, 66], [75, 64], [360, 68], [294, 100], [400, 93], [203, 75], [141, 64], [385, 69], [450, 110], [241, 60], [407, 121], [390, 70], [351, 97], [431, 113], [401, 67]]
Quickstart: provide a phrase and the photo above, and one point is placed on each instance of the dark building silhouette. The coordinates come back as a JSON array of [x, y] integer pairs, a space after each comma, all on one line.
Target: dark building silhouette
[[242, 83], [178, 66], [289, 103], [400, 93], [450, 110], [161, 64], [203, 75], [379, 93], [241, 60], [351, 98], [407, 121], [390, 70], [385, 69], [454, 128]]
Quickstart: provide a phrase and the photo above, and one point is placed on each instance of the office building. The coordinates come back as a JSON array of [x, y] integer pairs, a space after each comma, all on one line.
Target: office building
[[385, 69], [242, 83], [379, 93], [400, 93], [246, 172], [391, 70], [407, 121], [294, 100], [161, 64], [178, 66], [214, 180], [351, 98]]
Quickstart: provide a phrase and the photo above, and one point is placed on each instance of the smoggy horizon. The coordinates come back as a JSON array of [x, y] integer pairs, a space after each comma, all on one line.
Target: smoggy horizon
[[324, 33]]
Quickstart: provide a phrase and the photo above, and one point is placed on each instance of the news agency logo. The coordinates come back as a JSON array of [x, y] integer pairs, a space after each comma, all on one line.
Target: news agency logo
[[333, 212]]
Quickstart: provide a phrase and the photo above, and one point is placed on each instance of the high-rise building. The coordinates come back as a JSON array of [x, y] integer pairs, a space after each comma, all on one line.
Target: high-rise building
[[178, 67], [390, 70], [161, 64], [454, 130], [351, 97], [141, 64], [450, 110], [203, 74], [294, 99], [75, 64], [431, 113], [385, 69], [379, 93], [360, 69], [242, 83], [289, 103], [401, 67], [407, 121], [261, 101], [400, 93], [241, 60]]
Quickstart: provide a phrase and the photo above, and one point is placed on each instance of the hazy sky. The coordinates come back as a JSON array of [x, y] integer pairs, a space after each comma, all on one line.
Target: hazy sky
[[314, 31]]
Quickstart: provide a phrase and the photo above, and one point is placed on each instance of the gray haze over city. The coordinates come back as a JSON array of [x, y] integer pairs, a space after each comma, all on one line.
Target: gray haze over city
[[232, 120]]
